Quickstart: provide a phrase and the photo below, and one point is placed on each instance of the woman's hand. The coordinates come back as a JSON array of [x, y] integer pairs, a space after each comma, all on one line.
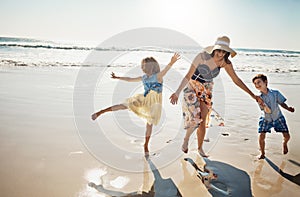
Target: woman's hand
[[173, 98], [259, 100], [114, 76]]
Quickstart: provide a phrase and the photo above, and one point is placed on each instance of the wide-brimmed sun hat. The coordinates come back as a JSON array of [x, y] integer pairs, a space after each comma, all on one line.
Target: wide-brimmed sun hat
[[222, 43]]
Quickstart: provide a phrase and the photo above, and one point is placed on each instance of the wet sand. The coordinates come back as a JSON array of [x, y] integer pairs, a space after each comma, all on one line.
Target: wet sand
[[43, 154]]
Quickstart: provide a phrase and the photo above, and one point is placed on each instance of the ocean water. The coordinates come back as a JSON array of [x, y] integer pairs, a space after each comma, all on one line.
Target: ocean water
[[31, 52]]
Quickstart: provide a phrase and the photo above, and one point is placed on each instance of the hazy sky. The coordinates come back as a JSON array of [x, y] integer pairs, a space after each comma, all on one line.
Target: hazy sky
[[268, 24]]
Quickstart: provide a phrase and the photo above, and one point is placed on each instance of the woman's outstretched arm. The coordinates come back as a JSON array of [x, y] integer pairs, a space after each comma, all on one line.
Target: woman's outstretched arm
[[174, 97], [231, 72]]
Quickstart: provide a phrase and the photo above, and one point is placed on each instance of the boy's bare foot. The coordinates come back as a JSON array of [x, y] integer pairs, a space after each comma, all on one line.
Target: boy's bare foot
[[285, 148], [202, 153], [261, 157]]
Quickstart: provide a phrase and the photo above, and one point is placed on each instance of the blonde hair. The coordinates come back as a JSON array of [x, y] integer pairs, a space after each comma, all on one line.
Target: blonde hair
[[151, 65]]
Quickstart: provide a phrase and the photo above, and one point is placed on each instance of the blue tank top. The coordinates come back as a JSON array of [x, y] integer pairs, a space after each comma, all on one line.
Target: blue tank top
[[151, 83]]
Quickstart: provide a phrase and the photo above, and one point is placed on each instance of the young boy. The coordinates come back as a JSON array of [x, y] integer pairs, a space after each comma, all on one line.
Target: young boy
[[272, 116]]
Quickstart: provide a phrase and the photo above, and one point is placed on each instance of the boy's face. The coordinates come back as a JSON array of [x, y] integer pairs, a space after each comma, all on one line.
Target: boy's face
[[260, 84]]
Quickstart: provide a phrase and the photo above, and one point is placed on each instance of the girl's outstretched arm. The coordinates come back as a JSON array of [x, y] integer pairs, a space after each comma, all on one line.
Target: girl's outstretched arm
[[129, 79], [162, 73]]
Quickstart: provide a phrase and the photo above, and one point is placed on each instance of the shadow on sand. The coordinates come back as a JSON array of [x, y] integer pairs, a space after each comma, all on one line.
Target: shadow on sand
[[160, 188], [295, 179], [222, 179]]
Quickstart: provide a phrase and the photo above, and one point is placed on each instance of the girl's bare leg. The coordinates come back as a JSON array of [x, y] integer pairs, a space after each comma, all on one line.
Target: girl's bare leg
[[262, 137], [202, 128], [147, 138], [286, 138], [112, 108]]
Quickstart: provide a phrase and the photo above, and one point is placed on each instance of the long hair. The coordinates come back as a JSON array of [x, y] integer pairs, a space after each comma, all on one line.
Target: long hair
[[151, 65]]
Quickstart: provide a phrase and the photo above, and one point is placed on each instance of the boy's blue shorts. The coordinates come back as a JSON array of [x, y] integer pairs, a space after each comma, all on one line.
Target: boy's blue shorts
[[279, 125]]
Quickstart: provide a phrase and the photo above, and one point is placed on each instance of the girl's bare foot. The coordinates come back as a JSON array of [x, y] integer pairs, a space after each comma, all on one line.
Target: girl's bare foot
[[261, 157], [146, 151], [94, 116], [202, 153], [285, 148]]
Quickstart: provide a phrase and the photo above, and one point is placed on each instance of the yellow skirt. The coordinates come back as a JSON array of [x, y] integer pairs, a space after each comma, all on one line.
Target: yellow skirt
[[148, 108]]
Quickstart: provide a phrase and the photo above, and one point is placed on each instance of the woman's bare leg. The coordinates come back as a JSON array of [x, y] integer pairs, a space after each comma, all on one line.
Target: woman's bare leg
[[112, 108], [202, 128], [186, 139]]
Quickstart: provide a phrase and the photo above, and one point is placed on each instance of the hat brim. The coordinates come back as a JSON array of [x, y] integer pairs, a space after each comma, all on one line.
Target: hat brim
[[210, 49]]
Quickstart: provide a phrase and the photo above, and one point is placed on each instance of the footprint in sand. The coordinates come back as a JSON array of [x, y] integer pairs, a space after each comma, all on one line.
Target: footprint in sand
[[225, 134], [137, 141]]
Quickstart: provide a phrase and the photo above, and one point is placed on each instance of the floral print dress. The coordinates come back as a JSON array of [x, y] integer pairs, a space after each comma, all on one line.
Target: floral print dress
[[193, 93]]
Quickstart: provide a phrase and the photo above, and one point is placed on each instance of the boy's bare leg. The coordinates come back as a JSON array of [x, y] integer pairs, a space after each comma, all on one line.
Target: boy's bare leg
[[286, 138], [147, 138], [112, 108], [262, 137]]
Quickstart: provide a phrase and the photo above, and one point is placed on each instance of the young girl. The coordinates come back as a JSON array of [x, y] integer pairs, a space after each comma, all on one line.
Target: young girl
[[147, 105]]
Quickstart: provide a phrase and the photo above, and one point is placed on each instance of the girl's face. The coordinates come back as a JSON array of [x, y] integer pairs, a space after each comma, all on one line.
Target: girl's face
[[145, 68], [260, 84]]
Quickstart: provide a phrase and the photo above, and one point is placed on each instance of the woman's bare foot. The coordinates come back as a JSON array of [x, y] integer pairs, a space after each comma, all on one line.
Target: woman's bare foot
[[185, 145], [202, 153], [285, 148]]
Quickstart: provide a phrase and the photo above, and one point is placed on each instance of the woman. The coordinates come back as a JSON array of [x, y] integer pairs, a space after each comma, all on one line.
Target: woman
[[197, 88]]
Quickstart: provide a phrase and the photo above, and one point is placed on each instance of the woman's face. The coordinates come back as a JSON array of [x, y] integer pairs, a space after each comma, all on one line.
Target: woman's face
[[219, 53]]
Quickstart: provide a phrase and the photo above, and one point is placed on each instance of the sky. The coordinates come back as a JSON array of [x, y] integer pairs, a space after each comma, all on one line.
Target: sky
[[260, 24]]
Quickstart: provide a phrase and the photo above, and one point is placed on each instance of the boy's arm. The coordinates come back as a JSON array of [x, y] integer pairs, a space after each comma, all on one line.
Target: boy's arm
[[281, 101], [174, 58], [285, 106], [129, 79]]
